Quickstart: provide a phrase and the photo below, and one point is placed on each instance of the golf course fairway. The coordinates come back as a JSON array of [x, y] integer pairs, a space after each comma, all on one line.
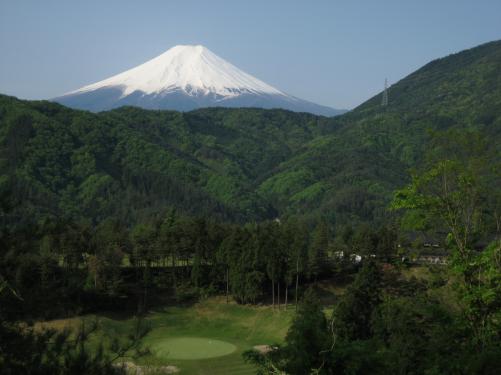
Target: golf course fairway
[[205, 338], [191, 348]]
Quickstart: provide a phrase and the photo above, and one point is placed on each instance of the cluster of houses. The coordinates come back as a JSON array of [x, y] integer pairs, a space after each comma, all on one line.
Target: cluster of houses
[[419, 259]]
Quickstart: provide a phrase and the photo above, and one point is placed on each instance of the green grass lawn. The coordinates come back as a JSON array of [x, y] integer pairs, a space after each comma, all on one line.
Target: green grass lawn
[[191, 348], [238, 328]]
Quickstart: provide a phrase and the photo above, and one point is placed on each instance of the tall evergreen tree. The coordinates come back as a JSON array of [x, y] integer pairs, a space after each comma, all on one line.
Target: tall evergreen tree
[[143, 238], [352, 316], [307, 340], [317, 251]]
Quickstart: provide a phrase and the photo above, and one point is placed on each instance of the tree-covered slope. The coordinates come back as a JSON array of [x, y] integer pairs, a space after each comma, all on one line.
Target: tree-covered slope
[[351, 172], [130, 162], [241, 164], [464, 85]]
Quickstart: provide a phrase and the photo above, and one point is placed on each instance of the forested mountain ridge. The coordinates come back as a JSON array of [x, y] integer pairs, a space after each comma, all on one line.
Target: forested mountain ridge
[[351, 173], [240, 164], [130, 162], [466, 83]]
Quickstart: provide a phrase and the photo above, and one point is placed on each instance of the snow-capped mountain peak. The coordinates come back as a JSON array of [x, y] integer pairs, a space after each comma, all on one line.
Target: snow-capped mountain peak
[[193, 69], [183, 78]]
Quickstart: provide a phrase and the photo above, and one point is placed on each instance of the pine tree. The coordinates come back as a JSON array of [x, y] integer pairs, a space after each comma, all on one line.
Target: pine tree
[[307, 338], [352, 316], [143, 239], [317, 252]]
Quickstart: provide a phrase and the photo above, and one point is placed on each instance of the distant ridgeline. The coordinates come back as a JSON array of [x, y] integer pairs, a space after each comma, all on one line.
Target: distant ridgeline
[[239, 164]]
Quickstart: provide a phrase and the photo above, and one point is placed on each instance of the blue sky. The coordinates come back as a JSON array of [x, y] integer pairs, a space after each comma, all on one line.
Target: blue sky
[[335, 53]]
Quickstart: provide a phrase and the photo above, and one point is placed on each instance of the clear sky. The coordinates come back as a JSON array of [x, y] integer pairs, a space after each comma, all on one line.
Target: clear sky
[[335, 53]]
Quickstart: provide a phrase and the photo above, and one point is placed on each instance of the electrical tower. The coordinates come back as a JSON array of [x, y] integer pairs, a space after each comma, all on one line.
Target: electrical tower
[[384, 102]]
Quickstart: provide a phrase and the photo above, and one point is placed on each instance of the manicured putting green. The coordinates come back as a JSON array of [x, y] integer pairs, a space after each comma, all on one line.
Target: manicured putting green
[[191, 348]]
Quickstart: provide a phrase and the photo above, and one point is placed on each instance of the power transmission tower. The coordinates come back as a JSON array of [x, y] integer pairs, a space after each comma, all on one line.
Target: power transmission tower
[[384, 102]]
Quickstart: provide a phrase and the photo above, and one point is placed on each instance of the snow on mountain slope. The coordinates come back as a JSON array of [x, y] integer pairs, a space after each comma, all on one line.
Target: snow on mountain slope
[[184, 78], [193, 69]]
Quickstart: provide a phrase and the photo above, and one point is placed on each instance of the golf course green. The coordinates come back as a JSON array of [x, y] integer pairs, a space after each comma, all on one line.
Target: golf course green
[[191, 348], [205, 338]]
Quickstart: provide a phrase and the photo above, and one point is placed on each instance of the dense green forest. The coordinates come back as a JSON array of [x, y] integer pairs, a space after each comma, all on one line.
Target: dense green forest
[[241, 164], [349, 174], [134, 163], [132, 209]]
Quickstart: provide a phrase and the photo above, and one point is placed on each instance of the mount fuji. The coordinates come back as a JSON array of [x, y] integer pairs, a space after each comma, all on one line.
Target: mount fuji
[[184, 78]]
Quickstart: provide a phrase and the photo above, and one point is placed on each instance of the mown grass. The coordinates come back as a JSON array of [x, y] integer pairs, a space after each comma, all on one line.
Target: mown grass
[[242, 326]]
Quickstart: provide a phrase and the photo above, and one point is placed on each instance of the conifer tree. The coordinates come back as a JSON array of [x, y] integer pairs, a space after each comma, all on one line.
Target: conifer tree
[[317, 251]]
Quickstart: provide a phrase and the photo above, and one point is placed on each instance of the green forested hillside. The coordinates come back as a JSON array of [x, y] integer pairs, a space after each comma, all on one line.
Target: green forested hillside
[[131, 209], [132, 162], [240, 164], [351, 172]]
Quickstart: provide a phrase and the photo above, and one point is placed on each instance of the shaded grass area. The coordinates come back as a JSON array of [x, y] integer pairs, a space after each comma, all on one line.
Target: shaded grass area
[[420, 272], [241, 326]]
